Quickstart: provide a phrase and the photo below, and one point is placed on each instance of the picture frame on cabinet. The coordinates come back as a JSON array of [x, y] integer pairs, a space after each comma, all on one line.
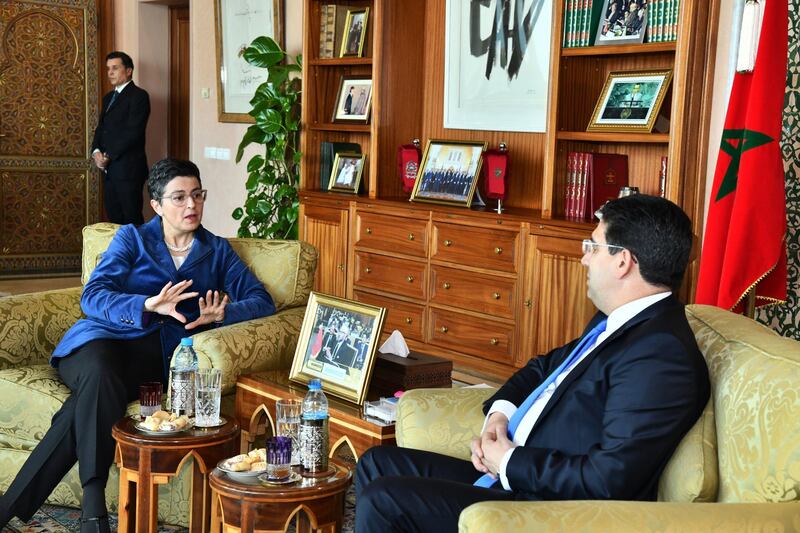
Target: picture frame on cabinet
[[449, 172], [354, 34], [630, 101], [353, 100], [338, 345], [622, 22], [346, 172], [237, 23]]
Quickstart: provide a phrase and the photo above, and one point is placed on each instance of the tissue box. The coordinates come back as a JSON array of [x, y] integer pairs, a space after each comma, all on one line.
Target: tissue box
[[418, 370]]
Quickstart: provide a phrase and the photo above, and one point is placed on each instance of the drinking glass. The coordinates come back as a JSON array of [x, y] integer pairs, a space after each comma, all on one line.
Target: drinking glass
[[287, 419], [149, 398], [279, 454], [207, 393]]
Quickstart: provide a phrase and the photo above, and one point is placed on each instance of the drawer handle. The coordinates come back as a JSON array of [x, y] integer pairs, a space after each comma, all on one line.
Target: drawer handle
[[445, 285], [369, 231], [408, 320], [443, 329], [340, 266], [410, 278], [498, 250], [448, 242], [368, 270], [494, 342], [410, 236], [496, 295], [528, 303]]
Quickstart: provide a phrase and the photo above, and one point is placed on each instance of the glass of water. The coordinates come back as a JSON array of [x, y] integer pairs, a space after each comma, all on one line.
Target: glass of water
[[287, 418], [207, 393]]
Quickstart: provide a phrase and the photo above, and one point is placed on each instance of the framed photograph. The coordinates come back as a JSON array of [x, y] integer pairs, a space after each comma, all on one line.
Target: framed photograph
[[630, 101], [237, 24], [497, 64], [622, 22], [346, 172], [354, 100], [354, 33], [338, 342], [449, 172]]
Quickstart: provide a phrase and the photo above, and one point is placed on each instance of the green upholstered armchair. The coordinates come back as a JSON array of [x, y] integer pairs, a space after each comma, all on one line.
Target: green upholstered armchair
[[32, 324], [738, 469]]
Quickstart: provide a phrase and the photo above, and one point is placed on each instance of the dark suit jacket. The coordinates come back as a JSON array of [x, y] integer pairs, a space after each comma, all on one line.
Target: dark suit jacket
[[614, 422], [120, 133], [346, 355]]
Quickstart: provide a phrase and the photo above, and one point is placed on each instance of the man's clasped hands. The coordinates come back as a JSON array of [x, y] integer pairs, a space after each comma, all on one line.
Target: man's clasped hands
[[489, 448]]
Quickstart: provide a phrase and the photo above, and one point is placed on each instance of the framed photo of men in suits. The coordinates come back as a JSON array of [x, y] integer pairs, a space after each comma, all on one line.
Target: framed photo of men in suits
[[449, 172], [338, 342]]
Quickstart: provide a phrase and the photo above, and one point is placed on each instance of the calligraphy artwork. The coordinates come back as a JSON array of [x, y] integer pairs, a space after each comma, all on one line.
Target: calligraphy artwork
[[497, 64]]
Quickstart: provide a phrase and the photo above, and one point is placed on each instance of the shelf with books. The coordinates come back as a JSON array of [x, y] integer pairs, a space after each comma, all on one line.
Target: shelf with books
[[618, 49], [608, 137], [331, 126], [340, 61]]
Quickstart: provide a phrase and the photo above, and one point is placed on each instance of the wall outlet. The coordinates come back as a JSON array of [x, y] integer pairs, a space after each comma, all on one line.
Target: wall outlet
[[210, 152], [224, 153], [205, 92]]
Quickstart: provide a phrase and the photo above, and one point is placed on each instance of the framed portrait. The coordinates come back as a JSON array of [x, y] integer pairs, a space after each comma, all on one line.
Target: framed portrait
[[630, 101], [622, 22], [448, 173], [338, 342], [354, 33], [497, 64], [237, 24], [346, 172], [354, 100]]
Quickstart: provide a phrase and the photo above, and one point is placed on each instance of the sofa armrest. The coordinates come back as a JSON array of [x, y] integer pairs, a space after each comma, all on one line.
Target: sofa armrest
[[255, 345], [441, 420], [623, 517], [32, 324]]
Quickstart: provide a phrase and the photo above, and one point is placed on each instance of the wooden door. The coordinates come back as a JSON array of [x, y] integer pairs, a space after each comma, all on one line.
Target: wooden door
[[178, 82], [326, 228], [48, 189]]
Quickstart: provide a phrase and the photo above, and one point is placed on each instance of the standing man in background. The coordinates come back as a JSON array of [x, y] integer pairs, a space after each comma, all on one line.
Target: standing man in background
[[119, 142]]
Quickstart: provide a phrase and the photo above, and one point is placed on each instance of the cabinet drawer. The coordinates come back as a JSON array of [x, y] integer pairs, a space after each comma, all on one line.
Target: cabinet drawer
[[476, 292], [392, 234], [402, 316], [462, 333], [389, 274], [479, 247]]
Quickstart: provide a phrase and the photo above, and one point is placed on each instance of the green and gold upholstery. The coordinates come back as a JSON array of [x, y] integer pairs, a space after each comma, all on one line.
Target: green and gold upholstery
[[743, 452], [32, 324]]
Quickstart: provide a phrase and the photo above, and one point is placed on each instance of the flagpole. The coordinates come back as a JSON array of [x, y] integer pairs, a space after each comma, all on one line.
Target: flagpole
[[750, 303]]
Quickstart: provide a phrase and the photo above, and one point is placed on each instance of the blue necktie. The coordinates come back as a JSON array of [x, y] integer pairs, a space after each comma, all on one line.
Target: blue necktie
[[585, 343], [113, 99]]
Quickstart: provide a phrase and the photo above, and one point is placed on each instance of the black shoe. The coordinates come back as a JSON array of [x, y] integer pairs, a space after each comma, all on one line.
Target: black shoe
[[97, 524]]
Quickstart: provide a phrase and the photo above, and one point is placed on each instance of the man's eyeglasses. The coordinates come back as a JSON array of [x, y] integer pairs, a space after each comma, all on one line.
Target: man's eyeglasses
[[179, 198], [589, 246]]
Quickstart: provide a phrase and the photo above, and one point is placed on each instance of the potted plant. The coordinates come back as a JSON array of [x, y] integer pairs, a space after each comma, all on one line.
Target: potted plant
[[271, 208]]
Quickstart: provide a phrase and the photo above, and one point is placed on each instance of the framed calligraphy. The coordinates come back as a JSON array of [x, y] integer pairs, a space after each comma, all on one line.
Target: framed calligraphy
[[237, 24], [497, 64]]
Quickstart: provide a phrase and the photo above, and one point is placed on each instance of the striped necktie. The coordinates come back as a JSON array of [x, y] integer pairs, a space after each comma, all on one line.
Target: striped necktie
[[584, 345]]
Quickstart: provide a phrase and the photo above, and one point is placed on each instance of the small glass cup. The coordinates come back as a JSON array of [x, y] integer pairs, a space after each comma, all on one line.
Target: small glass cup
[[287, 420], [149, 398], [279, 455], [207, 394]]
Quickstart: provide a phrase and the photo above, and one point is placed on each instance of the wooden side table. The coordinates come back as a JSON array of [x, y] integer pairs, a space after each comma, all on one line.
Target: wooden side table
[[246, 507], [257, 393], [151, 460]]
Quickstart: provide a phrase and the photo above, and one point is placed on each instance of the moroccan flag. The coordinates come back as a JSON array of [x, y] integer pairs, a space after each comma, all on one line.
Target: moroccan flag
[[744, 244]]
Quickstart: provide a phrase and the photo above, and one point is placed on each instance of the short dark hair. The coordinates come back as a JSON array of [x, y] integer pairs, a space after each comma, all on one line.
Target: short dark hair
[[127, 62], [165, 171], [657, 232]]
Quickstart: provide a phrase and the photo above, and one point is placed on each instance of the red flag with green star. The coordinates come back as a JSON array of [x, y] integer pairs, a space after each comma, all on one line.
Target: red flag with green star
[[744, 244]]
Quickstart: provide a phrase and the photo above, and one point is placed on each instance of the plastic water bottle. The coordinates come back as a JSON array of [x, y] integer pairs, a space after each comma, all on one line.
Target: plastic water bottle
[[181, 379], [314, 430]]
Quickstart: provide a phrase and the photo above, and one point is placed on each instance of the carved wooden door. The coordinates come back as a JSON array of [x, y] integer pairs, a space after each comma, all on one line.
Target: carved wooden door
[[48, 95]]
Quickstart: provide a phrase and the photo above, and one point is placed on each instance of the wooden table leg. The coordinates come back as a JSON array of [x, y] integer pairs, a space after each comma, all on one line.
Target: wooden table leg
[[303, 523], [124, 501], [216, 527], [146, 495], [199, 511]]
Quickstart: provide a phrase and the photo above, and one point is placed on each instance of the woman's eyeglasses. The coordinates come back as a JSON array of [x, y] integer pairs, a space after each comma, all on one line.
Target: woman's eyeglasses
[[179, 198]]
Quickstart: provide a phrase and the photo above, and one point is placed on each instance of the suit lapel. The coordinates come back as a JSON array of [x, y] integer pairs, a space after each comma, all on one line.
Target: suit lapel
[[200, 249], [153, 238]]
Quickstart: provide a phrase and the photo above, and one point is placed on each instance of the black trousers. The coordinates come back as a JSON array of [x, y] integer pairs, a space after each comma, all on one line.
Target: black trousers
[[123, 201], [401, 489], [104, 376]]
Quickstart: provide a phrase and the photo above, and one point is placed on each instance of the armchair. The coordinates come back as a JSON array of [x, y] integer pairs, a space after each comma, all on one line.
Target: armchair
[[744, 451], [32, 324]]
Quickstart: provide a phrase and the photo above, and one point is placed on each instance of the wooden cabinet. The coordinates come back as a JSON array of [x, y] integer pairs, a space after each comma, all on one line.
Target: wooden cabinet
[[326, 228]]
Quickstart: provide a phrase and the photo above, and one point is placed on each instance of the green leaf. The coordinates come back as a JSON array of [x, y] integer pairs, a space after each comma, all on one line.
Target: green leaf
[[264, 52], [252, 135], [255, 163], [269, 121], [237, 213]]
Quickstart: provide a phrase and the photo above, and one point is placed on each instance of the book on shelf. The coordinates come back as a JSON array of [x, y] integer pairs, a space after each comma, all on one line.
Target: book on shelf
[[327, 153], [332, 18], [592, 180]]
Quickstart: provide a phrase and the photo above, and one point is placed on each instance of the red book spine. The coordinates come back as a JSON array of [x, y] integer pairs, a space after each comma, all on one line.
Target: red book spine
[[609, 175], [586, 179], [569, 205], [662, 178]]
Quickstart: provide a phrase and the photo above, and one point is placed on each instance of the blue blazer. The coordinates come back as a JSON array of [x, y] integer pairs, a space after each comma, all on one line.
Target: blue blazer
[[616, 419], [137, 265]]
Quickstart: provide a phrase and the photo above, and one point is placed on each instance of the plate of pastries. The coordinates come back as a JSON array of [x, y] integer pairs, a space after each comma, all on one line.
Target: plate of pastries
[[164, 423], [245, 466]]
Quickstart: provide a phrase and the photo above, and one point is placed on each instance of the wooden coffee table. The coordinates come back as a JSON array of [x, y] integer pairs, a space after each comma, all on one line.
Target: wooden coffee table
[[148, 461], [252, 506]]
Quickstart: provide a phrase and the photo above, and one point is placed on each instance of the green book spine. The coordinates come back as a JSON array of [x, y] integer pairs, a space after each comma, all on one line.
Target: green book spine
[[570, 22], [564, 24], [661, 8], [582, 30], [596, 16], [675, 18], [669, 21]]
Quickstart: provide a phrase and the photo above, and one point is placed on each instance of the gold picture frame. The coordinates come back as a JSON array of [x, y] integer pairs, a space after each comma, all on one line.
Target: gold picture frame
[[630, 101], [338, 342], [353, 100], [354, 34], [448, 173], [346, 172]]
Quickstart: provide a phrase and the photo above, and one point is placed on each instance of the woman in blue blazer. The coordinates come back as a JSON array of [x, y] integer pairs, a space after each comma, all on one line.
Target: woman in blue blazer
[[155, 284]]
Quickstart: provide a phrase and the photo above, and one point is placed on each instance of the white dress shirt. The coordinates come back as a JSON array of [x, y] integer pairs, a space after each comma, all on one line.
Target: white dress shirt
[[616, 320]]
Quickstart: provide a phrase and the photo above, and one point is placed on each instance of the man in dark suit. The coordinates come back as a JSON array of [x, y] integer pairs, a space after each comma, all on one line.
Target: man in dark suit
[[598, 418], [119, 142]]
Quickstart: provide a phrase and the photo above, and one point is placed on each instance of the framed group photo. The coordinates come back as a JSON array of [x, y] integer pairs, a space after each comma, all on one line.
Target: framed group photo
[[346, 172], [630, 101], [622, 22], [355, 33], [353, 100], [338, 342], [448, 173]]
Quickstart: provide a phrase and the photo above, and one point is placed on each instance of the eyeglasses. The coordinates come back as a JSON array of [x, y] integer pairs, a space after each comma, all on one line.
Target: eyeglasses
[[589, 246], [179, 198]]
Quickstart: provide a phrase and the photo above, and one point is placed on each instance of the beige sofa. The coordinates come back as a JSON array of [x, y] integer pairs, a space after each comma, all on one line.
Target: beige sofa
[[32, 324], [738, 469]]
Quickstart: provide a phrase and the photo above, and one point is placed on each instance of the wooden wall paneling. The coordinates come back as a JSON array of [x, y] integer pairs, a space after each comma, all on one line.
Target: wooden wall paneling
[[179, 89], [326, 228]]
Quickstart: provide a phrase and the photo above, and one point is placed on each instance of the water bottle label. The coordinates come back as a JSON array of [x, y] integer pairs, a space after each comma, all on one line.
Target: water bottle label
[[314, 444], [182, 397]]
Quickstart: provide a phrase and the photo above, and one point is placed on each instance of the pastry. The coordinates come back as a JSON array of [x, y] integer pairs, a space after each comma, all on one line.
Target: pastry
[[258, 466], [151, 423], [241, 466], [162, 415]]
